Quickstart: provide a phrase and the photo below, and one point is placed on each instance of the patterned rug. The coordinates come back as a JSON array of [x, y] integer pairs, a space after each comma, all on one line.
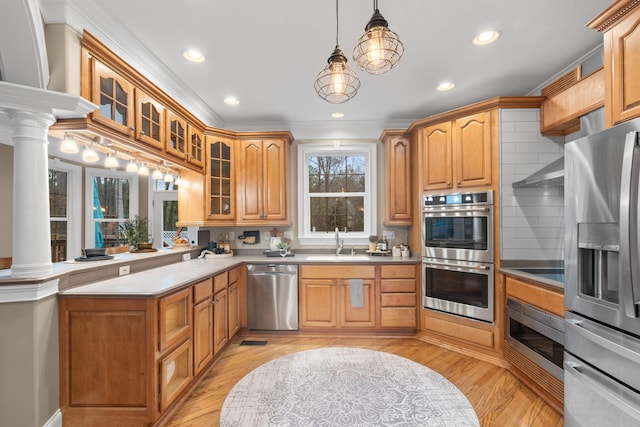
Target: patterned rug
[[345, 387]]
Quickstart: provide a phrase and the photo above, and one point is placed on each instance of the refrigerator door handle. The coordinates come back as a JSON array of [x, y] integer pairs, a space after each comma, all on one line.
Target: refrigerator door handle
[[602, 337], [629, 269]]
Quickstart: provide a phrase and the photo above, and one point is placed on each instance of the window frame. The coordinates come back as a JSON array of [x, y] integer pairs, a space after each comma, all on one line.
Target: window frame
[[74, 207], [90, 174], [366, 149]]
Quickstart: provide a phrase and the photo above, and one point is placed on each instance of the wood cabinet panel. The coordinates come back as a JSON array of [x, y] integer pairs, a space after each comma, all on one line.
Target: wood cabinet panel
[[202, 290], [234, 310], [176, 372], [195, 146], [537, 295], [150, 121], [262, 181], [114, 96], [407, 299], [176, 134], [220, 319], [338, 271], [202, 334], [473, 143], [101, 348], [398, 317], [357, 317], [484, 338], [220, 191], [398, 285], [220, 282], [318, 307], [437, 157], [175, 317], [398, 198], [398, 271]]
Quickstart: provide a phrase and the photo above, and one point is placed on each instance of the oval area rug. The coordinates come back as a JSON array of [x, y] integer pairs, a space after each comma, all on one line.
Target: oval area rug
[[345, 387]]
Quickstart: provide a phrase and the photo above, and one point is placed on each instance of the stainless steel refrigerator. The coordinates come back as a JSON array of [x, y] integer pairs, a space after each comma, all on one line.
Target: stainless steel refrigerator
[[602, 278]]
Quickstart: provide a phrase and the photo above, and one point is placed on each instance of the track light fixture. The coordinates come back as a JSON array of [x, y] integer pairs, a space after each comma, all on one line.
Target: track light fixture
[[69, 145]]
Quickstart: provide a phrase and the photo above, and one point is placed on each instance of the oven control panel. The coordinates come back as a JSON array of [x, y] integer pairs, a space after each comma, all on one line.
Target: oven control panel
[[478, 198]]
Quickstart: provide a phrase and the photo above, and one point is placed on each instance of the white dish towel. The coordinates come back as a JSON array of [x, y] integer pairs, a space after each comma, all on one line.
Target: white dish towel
[[355, 293]]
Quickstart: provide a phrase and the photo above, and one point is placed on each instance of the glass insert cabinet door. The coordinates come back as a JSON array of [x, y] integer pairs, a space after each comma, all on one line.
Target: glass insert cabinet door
[[114, 96], [220, 180]]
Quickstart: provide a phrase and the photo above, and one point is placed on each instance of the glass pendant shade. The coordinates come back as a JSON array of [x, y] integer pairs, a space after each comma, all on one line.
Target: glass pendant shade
[[178, 180], [157, 174], [89, 155], [143, 170], [111, 162], [337, 82], [132, 166], [69, 145], [379, 49], [168, 177]]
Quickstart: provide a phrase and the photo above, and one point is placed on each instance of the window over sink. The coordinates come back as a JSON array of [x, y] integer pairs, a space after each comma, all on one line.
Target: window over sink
[[337, 190]]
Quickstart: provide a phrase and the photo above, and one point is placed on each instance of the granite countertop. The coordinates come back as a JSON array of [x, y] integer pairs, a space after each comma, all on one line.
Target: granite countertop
[[163, 279]]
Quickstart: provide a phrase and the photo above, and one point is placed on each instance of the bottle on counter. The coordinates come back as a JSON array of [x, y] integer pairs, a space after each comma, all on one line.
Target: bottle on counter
[[384, 245], [227, 245]]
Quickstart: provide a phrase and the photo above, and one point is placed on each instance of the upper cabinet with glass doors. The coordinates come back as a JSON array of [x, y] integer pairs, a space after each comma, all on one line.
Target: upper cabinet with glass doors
[[149, 120], [114, 96], [220, 193]]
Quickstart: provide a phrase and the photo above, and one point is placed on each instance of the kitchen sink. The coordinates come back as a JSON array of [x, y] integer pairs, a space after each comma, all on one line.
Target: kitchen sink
[[338, 258]]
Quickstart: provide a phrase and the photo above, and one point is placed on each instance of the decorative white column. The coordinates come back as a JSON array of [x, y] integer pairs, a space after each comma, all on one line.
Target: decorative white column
[[31, 227], [31, 111]]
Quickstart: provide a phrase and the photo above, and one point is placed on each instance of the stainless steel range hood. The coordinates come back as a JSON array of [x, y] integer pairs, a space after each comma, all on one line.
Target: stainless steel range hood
[[551, 175]]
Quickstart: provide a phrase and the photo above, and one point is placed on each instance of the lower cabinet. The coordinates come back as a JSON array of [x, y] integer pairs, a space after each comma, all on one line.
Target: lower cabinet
[[126, 360], [389, 298]]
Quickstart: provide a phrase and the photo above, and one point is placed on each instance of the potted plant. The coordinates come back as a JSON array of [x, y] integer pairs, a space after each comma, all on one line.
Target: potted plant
[[135, 231]]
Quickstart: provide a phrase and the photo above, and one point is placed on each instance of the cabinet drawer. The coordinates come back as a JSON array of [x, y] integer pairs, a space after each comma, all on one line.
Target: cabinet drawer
[[202, 290], [398, 285], [398, 300], [176, 372], [220, 282], [338, 272], [398, 271], [404, 317]]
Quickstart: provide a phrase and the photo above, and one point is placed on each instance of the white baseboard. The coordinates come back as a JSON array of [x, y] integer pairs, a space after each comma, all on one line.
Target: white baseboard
[[55, 420]]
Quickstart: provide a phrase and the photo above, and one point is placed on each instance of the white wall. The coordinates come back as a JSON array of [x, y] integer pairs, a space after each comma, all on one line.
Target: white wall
[[532, 218]]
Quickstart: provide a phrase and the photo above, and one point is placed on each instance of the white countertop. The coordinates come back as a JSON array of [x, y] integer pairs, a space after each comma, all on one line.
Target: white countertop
[[160, 280]]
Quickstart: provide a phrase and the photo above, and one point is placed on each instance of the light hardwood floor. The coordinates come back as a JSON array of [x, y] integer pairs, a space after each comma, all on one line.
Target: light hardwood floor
[[500, 399]]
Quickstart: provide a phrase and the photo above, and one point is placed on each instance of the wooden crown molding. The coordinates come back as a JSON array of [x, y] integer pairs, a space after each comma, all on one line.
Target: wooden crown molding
[[611, 15]]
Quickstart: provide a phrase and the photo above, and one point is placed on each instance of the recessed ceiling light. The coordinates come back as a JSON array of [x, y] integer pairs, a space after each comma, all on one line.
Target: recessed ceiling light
[[337, 115], [231, 100], [486, 37], [193, 55], [444, 86]]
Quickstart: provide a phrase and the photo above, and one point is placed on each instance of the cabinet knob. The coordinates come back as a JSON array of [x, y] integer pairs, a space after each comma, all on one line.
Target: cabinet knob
[[448, 184], [213, 302], [459, 183]]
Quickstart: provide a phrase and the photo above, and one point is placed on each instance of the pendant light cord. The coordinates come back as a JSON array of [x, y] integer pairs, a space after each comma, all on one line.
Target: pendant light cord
[[337, 27], [375, 5]]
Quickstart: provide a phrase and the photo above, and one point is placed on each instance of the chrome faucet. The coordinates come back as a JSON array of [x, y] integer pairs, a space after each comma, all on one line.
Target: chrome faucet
[[339, 243]]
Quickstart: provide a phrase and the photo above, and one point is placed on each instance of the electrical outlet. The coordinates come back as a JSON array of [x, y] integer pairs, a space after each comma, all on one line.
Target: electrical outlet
[[232, 235], [267, 235], [288, 234], [123, 270], [389, 235], [186, 257]]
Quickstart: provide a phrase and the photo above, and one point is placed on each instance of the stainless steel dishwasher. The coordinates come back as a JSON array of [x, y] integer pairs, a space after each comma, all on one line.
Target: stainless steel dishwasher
[[272, 296]]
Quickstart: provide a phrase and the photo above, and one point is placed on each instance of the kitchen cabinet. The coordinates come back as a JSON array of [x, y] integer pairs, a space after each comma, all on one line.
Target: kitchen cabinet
[[220, 180], [220, 311], [149, 116], [175, 318], [398, 178], [457, 153], [114, 96], [263, 168], [234, 311], [620, 25], [202, 324], [398, 296], [325, 297], [196, 146], [176, 372], [176, 130]]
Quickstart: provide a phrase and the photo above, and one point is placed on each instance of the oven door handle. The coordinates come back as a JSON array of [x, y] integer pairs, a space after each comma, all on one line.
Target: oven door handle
[[458, 209], [477, 267]]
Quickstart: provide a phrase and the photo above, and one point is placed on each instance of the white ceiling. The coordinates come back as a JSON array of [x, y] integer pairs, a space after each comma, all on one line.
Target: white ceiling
[[268, 53]]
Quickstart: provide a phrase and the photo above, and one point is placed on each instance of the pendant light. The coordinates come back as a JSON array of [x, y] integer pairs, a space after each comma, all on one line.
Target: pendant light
[[132, 166], [337, 82], [89, 155], [111, 162], [69, 145], [143, 170], [157, 174], [379, 49]]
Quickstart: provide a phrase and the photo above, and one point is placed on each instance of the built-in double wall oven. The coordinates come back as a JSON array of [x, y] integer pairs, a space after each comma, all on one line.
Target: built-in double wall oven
[[457, 239]]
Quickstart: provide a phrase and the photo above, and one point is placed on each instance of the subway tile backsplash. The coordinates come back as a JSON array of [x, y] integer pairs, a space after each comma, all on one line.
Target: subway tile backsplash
[[532, 218]]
